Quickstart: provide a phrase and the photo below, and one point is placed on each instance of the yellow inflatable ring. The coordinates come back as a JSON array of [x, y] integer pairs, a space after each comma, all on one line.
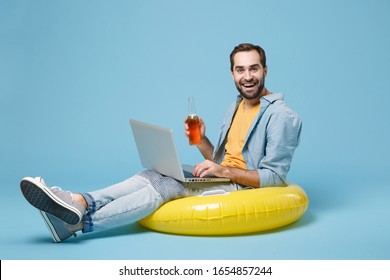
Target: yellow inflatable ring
[[237, 212]]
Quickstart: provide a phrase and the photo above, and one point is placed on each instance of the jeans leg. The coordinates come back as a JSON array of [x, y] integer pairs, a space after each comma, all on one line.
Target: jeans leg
[[120, 204]]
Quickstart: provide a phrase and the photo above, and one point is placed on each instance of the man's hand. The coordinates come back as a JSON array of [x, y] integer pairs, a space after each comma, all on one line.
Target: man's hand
[[236, 175], [202, 127], [208, 167], [205, 147]]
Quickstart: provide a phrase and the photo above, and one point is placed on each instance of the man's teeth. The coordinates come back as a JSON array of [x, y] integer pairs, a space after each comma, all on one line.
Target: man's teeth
[[249, 85]]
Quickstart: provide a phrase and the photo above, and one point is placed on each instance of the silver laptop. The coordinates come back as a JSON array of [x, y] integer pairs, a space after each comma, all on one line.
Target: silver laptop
[[157, 150]]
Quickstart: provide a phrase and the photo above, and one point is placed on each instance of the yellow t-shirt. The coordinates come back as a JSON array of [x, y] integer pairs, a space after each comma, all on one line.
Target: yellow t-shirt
[[237, 135]]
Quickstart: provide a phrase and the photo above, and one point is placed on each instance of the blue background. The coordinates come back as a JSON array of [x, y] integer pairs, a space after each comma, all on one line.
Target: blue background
[[73, 72]]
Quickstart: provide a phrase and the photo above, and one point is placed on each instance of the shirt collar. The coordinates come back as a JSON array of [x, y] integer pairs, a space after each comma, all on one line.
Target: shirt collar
[[269, 97], [273, 97]]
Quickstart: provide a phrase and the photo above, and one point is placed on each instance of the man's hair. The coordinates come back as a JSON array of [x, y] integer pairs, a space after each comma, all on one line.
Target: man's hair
[[246, 48]]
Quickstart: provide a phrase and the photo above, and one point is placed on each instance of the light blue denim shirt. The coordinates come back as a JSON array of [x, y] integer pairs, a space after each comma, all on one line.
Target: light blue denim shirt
[[271, 139]]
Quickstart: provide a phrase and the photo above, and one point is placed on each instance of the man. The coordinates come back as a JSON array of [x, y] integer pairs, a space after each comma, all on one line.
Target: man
[[255, 147]]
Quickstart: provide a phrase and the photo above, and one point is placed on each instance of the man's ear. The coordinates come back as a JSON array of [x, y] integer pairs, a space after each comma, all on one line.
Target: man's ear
[[265, 71]]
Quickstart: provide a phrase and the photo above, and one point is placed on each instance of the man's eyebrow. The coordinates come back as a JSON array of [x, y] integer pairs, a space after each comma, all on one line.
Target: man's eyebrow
[[250, 66]]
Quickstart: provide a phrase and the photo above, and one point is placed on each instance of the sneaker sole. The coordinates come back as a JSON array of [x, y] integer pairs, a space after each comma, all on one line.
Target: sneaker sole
[[43, 199]]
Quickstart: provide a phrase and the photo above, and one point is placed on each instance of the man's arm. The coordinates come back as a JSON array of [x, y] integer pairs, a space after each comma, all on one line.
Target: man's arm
[[239, 176], [243, 177], [206, 148]]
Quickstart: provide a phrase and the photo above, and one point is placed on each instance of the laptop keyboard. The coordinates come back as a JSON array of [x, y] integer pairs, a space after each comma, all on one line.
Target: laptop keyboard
[[188, 174]]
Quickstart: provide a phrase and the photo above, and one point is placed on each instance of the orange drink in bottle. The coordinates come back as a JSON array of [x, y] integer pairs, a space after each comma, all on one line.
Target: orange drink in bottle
[[193, 123]]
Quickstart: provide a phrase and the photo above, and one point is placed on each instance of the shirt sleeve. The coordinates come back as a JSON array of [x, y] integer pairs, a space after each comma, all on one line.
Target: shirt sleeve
[[283, 137]]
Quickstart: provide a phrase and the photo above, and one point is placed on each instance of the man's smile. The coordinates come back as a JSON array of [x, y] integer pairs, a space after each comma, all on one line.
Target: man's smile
[[248, 85]]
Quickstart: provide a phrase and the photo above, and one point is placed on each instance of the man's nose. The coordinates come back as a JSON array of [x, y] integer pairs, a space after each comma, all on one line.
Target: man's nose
[[248, 75]]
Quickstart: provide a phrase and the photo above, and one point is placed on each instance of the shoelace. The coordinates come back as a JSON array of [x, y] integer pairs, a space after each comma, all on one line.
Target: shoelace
[[59, 189]]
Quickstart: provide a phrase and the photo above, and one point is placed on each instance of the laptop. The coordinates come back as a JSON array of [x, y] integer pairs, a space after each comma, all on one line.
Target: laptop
[[157, 151]]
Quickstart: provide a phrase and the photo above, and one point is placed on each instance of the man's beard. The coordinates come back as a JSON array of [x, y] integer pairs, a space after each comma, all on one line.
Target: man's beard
[[256, 95]]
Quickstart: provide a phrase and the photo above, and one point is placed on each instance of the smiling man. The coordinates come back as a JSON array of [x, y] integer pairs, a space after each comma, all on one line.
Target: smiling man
[[255, 146], [260, 132]]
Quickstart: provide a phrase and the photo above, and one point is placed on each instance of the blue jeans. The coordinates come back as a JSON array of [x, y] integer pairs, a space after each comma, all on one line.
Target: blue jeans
[[134, 199]]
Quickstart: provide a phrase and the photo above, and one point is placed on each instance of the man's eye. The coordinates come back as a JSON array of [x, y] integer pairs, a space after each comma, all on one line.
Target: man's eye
[[254, 70], [240, 71]]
